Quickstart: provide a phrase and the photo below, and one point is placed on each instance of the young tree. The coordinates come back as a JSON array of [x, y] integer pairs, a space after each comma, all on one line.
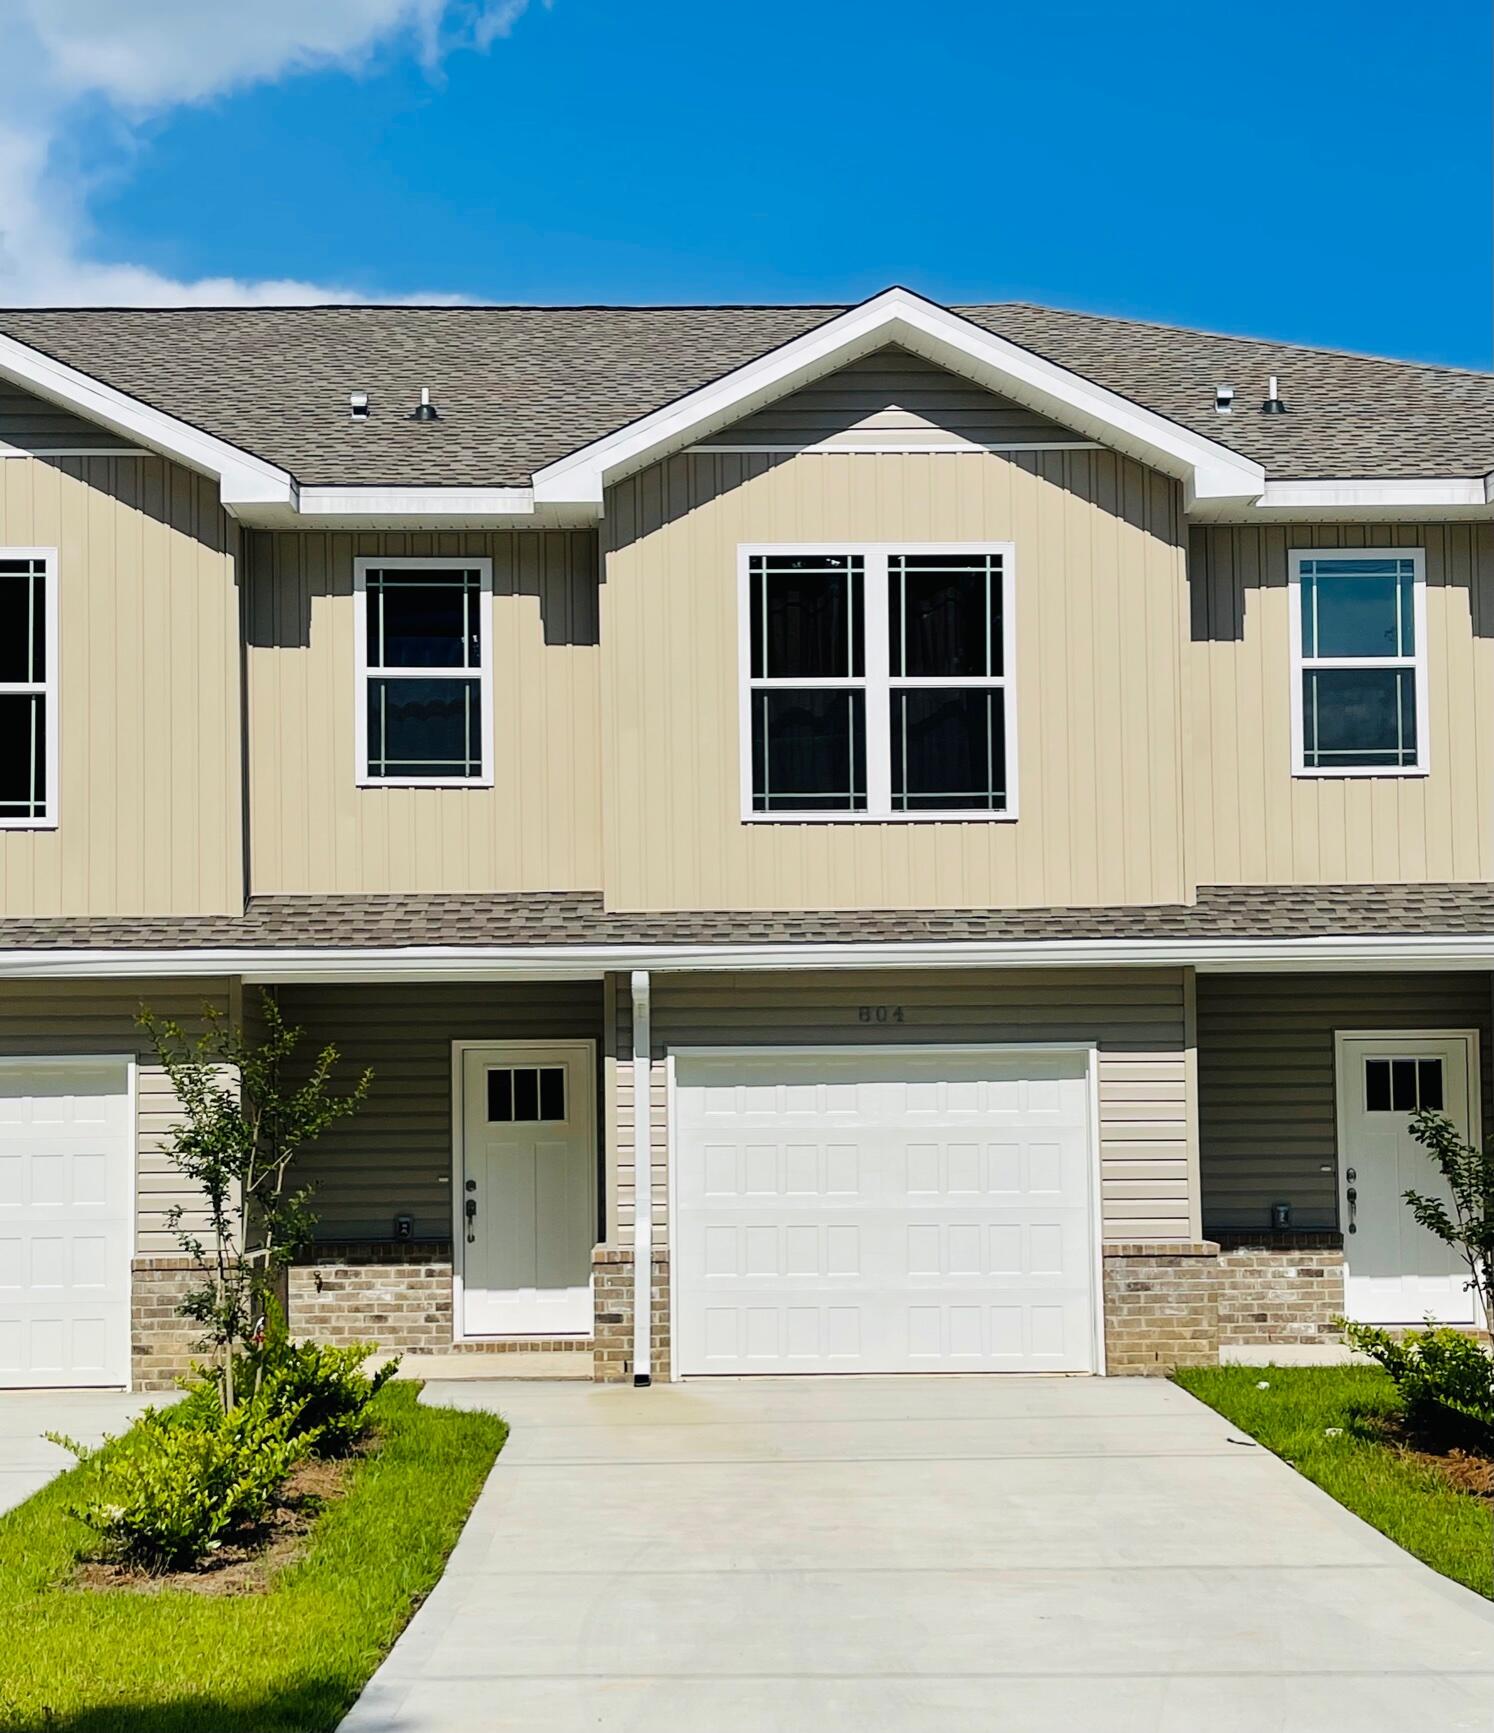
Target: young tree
[[241, 1128], [1468, 1226]]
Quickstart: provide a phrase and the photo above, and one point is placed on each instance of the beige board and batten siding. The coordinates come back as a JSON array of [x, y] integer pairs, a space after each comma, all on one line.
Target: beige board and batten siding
[[1100, 620], [1141, 1020], [1267, 1115], [1256, 823], [53, 1019], [314, 830], [148, 721], [31, 424], [893, 398], [394, 1156]]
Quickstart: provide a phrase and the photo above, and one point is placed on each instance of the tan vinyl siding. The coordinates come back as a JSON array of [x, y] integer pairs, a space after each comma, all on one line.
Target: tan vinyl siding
[[149, 691], [30, 423], [1138, 1017], [1267, 1116], [314, 830], [55, 1018], [394, 1157], [1253, 822], [1099, 623], [894, 398]]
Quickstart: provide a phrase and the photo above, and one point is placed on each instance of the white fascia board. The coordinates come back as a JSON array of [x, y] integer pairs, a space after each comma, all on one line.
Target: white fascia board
[[243, 478], [1414, 494], [1211, 471], [590, 962], [417, 502]]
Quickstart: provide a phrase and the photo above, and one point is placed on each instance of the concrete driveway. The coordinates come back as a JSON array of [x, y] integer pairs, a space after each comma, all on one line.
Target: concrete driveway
[[916, 1556], [27, 1461]]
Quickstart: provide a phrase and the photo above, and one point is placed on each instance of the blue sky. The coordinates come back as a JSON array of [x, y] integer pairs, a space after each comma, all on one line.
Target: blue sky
[[1317, 172]]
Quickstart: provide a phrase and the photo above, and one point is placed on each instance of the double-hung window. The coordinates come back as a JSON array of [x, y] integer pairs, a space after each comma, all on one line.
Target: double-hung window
[[28, 688], [877, 682], [1360, 674], [423, 630]]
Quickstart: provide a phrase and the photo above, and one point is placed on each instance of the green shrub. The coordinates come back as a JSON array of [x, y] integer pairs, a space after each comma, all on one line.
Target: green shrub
[[328, 1391], [165, 1493], [1440, 1373], [324, 1388]]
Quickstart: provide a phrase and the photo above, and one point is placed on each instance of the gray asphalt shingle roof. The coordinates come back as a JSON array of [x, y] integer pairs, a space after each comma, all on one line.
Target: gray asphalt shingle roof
[[519, 387], [579, 918]]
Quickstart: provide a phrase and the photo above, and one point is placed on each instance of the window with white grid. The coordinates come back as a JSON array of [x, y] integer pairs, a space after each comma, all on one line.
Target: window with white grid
[[877, 682], [28, 688]]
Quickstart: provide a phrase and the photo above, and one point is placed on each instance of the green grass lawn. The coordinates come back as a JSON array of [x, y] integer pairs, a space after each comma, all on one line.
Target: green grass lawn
[[292, 1657], [1406, 1498]]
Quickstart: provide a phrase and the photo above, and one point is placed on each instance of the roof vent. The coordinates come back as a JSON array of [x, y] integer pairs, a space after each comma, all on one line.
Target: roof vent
[[358, 405], [1273, 404], [1224, 398], [425, 410]]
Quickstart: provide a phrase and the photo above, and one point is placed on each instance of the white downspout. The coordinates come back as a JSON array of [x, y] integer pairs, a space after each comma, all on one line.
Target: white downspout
[[643, 1183]]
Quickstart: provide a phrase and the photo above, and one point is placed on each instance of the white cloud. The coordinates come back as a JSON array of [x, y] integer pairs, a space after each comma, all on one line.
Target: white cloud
[[137, 60]]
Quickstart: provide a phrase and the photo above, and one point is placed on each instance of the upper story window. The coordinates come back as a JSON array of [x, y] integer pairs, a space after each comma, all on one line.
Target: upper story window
[[877, 682], [424, 671], [28, 688], [1360, 675]]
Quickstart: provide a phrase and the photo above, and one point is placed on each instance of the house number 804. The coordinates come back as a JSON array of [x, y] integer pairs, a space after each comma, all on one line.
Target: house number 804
[[879, 1014]]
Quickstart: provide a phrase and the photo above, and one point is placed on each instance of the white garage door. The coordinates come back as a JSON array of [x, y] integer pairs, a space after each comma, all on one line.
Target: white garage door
[[883, 1211], [66, 1178]]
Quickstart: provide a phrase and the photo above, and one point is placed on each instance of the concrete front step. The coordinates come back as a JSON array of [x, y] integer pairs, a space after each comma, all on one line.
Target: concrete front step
[[536, 1363]]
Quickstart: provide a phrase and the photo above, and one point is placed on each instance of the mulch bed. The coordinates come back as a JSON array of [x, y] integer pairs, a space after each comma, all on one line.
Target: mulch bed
[[1469, 1465], [244, 1563]]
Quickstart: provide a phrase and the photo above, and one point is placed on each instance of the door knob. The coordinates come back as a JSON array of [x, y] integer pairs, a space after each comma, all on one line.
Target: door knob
[[1353, 1196], [471, 1213]]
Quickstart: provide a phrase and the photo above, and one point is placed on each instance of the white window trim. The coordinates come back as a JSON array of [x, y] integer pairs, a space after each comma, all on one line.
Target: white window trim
[[1417, 663], [877, 681], [444, 562], [48, 687]]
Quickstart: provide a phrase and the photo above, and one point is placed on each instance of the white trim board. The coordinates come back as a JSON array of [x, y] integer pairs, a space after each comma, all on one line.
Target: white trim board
[[271, 966]]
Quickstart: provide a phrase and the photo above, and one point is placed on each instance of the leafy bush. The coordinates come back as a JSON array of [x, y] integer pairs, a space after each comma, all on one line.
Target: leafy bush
[[1439, 1372], [328, 1391], [163, 1494], [324, 1389]]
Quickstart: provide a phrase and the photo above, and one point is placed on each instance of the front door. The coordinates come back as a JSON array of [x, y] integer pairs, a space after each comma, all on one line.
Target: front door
[[526, 1210], [1396, 1272]]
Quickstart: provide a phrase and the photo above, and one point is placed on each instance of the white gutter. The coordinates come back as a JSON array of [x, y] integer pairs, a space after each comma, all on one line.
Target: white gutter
[[306, 965], [643, 1183]]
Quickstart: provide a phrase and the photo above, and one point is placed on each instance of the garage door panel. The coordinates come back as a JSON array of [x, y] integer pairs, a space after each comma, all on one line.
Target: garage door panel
[[65, 1222], [883, 1212]]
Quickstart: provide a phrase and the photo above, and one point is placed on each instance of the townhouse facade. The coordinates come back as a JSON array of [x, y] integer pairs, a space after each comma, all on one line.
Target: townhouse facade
[[871, 839]]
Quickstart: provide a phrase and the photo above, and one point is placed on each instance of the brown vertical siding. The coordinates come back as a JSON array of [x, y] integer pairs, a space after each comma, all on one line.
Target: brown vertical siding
[[1252, 821], [314, 830], [149, 690], [1099, 626]]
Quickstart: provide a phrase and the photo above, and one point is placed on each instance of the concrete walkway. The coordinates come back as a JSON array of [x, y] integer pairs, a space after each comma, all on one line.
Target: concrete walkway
[[27, 1460], [917, 1556]]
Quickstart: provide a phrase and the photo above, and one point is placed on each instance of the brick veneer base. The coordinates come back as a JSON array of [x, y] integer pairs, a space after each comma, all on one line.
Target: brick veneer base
[[1161, 1305], [396, 1296], [612, 1293], [1269, 1297], [163, 1344]]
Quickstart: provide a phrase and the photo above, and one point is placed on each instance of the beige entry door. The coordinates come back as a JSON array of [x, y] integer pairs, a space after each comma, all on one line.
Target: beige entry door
[[1395, 1271], [526, 1206]]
